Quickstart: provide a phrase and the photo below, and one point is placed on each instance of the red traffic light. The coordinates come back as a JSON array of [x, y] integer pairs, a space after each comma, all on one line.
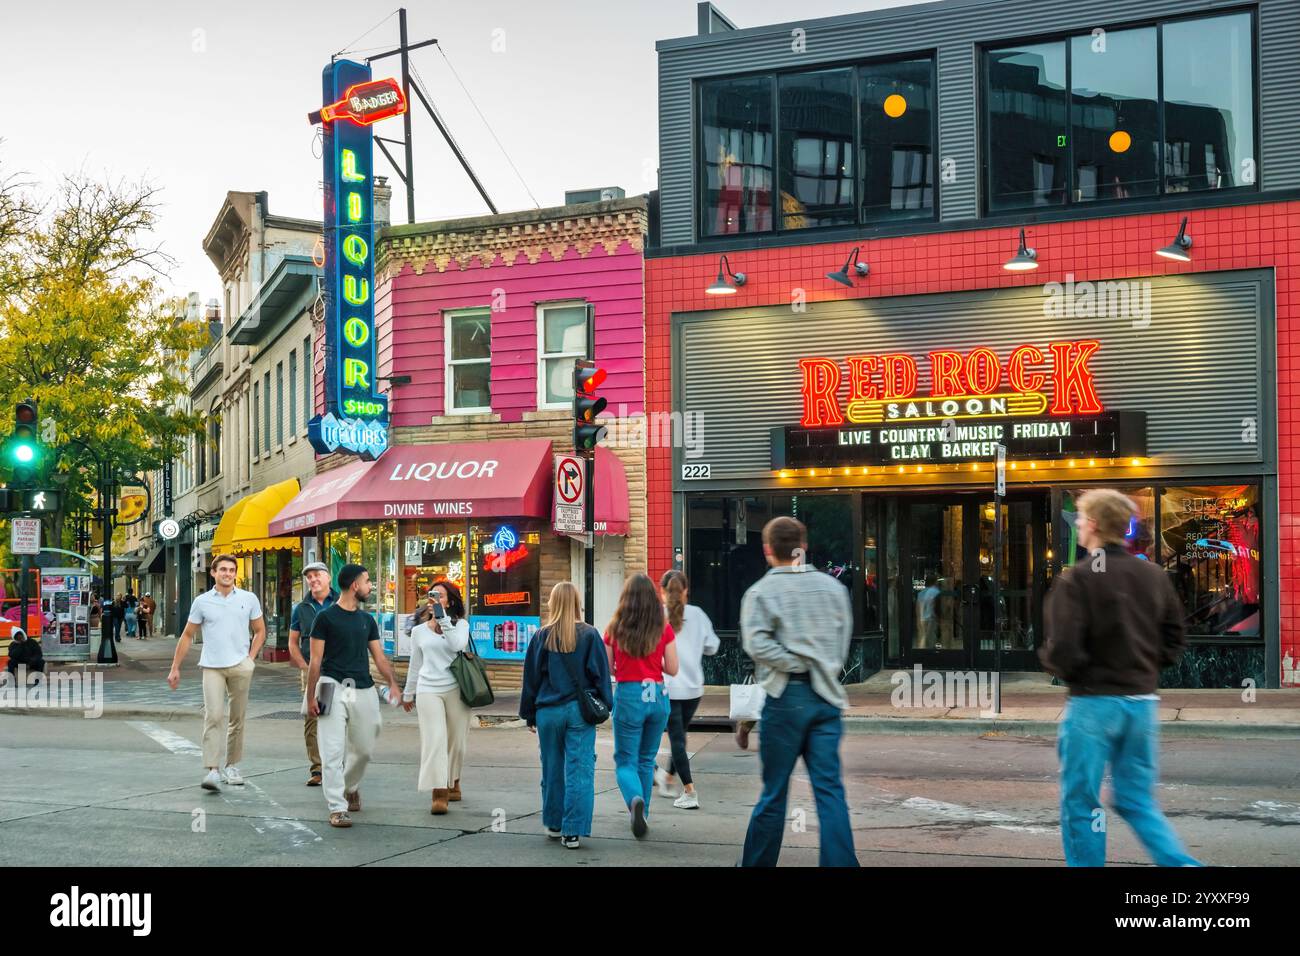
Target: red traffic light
[[588, 379], [25, 413]]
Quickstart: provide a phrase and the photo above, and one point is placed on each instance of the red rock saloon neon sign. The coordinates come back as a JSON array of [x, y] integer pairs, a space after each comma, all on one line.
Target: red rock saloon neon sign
[[883, 388], [1040, 403]]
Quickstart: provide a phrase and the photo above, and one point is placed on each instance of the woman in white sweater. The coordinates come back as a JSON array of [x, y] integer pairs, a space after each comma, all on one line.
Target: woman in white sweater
[[695, 640], [444, 718]]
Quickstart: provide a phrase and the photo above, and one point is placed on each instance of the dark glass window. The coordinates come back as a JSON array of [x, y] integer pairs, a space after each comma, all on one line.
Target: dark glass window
[[829, 520], [1115, 96], [897, 131], [816, 136], [1210, 545], [736, 149], [725, 554], [1027, 125], [1087, 126], [1209, 103]]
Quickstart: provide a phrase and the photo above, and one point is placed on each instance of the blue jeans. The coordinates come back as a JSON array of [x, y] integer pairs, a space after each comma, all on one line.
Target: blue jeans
[[1124, 733], [800, 724], [638, 727], [568, 745]]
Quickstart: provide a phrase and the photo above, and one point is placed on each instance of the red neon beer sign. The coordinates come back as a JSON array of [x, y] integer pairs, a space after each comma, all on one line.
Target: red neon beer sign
[[364, 104], [976, 384]]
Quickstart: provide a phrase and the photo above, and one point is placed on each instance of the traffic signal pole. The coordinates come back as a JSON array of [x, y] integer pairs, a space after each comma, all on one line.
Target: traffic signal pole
[[589, 501]]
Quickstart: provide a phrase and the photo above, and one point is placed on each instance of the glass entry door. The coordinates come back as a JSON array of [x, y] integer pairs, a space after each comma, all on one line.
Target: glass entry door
[[946, 594]]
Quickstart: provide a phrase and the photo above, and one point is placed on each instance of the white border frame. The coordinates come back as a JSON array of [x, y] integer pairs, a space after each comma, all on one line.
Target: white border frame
[[448, 315]]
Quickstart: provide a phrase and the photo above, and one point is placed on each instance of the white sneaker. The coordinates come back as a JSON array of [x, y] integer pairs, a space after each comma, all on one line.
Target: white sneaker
[[661, 779], [687, 801], [212, 781], [554, 834], [233, 777], [571, 842]]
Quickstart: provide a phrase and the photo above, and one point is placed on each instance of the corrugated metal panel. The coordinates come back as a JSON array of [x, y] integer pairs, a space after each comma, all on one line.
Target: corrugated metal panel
[[955, 29], [1195, 367]]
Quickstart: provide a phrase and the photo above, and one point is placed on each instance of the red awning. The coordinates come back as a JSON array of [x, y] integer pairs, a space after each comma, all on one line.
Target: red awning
[[612, 515], [496, 479]]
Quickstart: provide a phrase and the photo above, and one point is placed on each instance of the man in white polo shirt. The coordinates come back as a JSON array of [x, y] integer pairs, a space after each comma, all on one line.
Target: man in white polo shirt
[[225, 615]]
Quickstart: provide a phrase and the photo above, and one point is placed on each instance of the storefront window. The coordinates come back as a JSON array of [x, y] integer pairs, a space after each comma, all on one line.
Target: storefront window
[[829, 520], [871, 618], [505, 575], [816, 141], [725, 554], [1141, 537], [736, 149], [374, 546], [1210, 545]]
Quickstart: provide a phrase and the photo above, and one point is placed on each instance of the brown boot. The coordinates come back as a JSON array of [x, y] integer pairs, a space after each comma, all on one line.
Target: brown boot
[[354, 800], [454, 793], [439, 802]]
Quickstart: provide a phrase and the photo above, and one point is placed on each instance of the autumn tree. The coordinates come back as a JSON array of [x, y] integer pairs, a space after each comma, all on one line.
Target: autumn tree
[[84, 331]]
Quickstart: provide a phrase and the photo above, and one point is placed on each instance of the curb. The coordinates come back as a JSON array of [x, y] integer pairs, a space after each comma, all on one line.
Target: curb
[[1048, 728], [852, 725]]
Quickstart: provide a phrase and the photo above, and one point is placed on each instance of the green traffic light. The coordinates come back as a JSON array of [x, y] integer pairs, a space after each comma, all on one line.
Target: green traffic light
[[24, 454]]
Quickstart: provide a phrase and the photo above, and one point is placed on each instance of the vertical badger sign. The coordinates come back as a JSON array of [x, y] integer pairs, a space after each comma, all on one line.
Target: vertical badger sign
[[355, 418]]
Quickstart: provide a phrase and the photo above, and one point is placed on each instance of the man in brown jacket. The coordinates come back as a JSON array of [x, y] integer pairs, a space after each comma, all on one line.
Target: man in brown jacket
[[1113, 621]]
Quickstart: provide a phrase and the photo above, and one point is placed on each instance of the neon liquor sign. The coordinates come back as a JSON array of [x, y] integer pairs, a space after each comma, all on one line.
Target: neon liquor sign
[[356, 414]]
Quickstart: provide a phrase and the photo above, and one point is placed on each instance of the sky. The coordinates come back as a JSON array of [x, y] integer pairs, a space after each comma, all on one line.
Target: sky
[[204, 97]]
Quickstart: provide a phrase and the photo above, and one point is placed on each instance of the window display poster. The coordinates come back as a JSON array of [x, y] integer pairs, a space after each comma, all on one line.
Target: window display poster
[[498, 638]]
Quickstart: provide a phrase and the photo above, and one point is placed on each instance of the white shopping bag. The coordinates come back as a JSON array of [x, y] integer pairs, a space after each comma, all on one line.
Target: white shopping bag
[[747, 701]]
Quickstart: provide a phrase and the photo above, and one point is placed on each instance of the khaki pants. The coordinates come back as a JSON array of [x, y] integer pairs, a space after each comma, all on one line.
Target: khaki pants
[[309, 727], [444, 726], [348, 733], [218, 684]]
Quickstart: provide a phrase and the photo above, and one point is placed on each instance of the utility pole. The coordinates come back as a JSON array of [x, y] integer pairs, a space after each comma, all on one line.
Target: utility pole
[[407, 174], [406, 118]]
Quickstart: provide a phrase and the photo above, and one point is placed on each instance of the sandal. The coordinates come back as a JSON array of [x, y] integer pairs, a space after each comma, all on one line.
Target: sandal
[[313, 780], [340, 819]]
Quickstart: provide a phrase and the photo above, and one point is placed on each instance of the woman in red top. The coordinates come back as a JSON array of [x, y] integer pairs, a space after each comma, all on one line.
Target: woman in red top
[[641, 651]]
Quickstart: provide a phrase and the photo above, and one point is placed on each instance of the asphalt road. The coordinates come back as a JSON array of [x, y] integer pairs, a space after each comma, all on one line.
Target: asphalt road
[[125, 792]]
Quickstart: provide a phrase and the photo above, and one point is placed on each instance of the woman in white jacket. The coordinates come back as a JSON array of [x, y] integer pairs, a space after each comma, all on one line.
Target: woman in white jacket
[[695, 640], [444, 718]]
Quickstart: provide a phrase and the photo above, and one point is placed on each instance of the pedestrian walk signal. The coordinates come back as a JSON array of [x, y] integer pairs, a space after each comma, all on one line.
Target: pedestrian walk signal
[[587, 432]]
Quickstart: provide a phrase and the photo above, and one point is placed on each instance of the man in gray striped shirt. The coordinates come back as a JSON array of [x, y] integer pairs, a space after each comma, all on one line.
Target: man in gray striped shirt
[[795, 622]]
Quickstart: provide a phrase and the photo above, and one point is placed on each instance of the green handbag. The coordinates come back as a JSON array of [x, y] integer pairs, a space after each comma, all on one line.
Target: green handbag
[[471, 678]]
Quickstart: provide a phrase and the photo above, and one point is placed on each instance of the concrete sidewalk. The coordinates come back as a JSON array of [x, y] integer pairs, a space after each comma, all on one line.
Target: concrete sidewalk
[[1031, 705]]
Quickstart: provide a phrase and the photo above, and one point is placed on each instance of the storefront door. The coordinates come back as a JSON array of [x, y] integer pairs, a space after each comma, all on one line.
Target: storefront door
[[946, 599]]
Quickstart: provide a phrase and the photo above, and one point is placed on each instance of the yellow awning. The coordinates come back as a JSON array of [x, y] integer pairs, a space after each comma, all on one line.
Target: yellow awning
[[243, 528]]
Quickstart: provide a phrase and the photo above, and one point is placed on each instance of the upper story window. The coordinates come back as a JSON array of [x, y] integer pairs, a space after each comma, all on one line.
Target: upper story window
[[469, 361], [214, 440], [852, 145], [561, 338], [1119, 114]]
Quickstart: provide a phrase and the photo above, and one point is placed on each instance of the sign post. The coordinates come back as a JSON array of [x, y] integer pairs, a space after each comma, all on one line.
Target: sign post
[[999, 494], [25, 539]]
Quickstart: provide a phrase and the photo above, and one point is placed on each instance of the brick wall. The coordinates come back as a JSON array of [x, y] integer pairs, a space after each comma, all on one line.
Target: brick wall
[[1240, 237]]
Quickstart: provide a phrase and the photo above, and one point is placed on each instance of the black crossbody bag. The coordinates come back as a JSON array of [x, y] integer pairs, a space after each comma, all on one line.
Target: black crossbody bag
[[590, 704]]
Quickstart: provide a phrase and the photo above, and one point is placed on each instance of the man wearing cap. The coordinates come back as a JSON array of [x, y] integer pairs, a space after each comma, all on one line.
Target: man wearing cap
[[341, 635], [319, 596]]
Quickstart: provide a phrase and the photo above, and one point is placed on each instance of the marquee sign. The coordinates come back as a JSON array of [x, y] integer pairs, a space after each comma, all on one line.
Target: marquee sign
[[356, 414], [1108, 435], [883, 388]]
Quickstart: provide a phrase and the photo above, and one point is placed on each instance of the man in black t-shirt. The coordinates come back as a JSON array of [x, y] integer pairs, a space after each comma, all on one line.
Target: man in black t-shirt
[[344, 638]]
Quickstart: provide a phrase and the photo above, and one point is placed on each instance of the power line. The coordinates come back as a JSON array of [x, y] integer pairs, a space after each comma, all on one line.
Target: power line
[[349, 47], [489, 128]]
